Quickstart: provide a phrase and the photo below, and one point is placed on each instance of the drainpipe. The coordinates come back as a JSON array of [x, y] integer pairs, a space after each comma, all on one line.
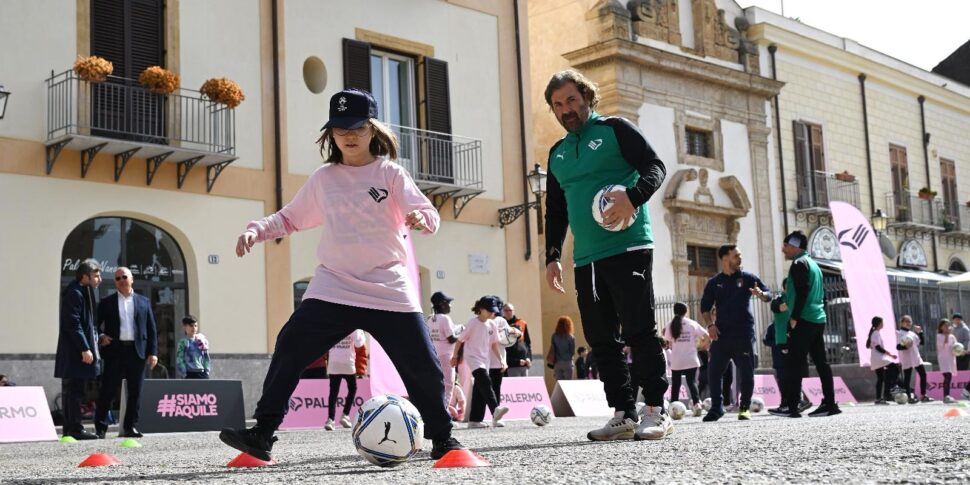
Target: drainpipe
[[781, 159], [926, 160], [277, 135], [525, 163], [865, 126]]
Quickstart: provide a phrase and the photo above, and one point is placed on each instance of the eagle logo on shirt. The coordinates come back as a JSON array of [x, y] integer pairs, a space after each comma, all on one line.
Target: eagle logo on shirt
[[594, 144], [377, 194], [740, 282]]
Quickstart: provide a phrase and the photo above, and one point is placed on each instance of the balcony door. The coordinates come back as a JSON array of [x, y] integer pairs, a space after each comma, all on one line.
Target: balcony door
[[129, 34], [393, 85], [951, 207], [900, 173], [811, 178]]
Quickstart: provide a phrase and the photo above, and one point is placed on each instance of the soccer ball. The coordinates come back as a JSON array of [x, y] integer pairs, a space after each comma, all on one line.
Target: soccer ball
[[540, 415], [757, 405], [677, 410], [602, 203], [388, 430], [706, 405], [900, 398], [957, 348], [906, 341], [640, 407], [506, 337]]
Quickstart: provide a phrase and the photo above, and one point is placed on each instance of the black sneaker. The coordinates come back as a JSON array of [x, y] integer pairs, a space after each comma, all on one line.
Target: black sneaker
[[253, 441], [804, 404], [825, 409], [712, 416], [779, 411], [441, 447]]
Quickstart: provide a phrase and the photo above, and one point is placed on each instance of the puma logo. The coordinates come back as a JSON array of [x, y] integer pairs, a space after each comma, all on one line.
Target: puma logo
[[560, 156], [641, 274], [387, 430]]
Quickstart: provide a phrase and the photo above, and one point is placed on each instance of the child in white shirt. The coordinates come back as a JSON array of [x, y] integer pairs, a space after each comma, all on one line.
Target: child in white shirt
[[909, 357], [479, 339], [683, 335], [880, 359], [947, 359]]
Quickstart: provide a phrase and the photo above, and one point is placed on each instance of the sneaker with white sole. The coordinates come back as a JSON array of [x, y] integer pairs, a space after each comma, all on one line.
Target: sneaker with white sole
[[965, 394], [477, 425], [655, 424], [698, 410], [329, 426], [345, 421], [497, 416], [619, 427], [948, 400]]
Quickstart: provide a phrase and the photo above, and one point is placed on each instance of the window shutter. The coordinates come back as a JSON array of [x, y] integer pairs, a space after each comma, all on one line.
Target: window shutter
[[108, 105], [356, 64], [437, 95], [803, 172], [818, 152], [146, 31]]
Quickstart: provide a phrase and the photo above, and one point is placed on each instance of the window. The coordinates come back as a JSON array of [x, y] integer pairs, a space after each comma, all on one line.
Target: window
[[900, 175], [810, 176], [957, 266], [948, 173], [698, 143], [703, 261], [392, 83]]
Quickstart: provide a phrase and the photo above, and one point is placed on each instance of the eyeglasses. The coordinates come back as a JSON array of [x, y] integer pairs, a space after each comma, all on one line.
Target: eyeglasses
[[359, 132], [122, 277]]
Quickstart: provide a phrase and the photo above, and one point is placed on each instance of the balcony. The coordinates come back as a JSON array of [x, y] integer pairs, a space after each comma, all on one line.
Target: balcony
[[956, 222], [444, 166], [815, 192], [120, 117], [911, 212]]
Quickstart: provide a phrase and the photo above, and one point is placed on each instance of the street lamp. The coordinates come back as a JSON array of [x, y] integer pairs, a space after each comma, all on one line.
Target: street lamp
[[537, 184], [879, 221], [4, 96]]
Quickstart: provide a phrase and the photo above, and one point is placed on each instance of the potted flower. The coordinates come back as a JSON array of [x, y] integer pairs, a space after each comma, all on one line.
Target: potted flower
[[222, 90], [845, 176], [93, 68], [926, 194], [159, 80]]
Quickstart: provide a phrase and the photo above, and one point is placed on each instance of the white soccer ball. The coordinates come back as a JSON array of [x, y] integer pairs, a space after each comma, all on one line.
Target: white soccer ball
[[906, 341], [677, 410], [388, 430], [757, 405], [900, 398], [602, 203], [507, 337], [706, 405], [540, 415], [957, 348]]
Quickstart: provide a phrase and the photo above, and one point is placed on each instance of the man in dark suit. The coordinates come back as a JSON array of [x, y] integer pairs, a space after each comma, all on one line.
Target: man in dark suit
[[77, 356], [128, 341]]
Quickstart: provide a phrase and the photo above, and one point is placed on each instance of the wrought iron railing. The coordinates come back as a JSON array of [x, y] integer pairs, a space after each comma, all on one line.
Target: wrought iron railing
[[440, 157], [817, 190], [123, 109], [956, 218], [905, 207]]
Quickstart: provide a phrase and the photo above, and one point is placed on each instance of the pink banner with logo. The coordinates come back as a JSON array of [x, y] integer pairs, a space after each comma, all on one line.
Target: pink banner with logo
[[766, 387], [309, 403], [583, 397], [934, 384], [865, 275], [812, 387], [520, 395], [24, 415]]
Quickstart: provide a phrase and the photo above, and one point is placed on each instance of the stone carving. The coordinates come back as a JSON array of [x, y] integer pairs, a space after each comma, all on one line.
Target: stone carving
[[656, 19], [703, 194], [823, 244], [678, 178], [912, 254], [735, 191], [608, 20]]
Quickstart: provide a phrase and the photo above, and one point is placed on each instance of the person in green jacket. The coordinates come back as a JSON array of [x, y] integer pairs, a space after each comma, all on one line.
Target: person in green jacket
[[806, 330], [613, 260]]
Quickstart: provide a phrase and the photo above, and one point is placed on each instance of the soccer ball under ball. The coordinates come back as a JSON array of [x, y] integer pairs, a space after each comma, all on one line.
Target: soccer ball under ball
[[706, 405], [388, 430], [602, 203], [677, 410], [957, 348], [757, 405], [900, 398], [906, 341], [540, 415]]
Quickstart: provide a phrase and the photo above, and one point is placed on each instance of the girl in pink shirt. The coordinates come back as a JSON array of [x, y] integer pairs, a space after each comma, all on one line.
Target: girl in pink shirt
[[366, 205], [684, 335], [947, 359]]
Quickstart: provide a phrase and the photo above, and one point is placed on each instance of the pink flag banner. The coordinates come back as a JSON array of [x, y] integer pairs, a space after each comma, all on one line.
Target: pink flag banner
[[934, 384], [24, 415], [309, 403], [812, 386], [865, 275], [766, 387]]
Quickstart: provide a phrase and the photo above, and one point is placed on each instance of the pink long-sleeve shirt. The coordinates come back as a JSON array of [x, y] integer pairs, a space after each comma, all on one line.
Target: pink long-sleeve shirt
[[362, 252]]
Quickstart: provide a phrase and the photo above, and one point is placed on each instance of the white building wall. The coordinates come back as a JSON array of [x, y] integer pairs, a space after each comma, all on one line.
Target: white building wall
[[737, 159], [657, 124]]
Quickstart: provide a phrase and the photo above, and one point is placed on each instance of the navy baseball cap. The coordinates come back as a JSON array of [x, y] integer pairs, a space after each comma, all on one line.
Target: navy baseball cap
[[489, 303], [439, 297], [350, 109]]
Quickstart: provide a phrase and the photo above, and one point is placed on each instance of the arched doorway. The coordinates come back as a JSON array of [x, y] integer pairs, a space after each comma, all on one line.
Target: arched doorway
[[156, 262]]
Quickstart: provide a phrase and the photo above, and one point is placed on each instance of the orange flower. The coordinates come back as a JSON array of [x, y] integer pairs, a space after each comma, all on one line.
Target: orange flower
[[93, 68], [222, 90], [159, 80]]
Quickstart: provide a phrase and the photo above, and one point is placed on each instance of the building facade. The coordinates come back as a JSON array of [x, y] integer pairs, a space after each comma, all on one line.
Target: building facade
[[164, 183]]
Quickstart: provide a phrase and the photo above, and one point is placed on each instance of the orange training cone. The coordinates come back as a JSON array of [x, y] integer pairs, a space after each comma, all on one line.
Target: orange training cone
[[245, 460], [953, 413], [461, 459], [99, 459]]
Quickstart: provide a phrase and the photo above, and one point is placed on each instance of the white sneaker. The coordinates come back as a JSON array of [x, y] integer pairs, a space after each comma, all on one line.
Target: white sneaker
[[949, 400], [345, 421], [654, 424], [698, 410], [477, 424], [497, 416], [965, 394], [618, 427], [329, 426]]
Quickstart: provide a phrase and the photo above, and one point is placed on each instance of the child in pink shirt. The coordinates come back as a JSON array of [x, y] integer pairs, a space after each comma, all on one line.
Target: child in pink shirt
[[947, 359], [479, 340], [366, 205]]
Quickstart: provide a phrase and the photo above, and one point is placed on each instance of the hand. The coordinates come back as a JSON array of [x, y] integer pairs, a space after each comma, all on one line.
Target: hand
[[554, 276], [528, 362], [757, 293], [620, 212], [104, 340], [505, 368], [152, 361], [792, 323], [454, 361], [522, 363], [917, 329], [415, 221], [245, 243], [783, 307], [894, 356], [713, 332], [87, 357]]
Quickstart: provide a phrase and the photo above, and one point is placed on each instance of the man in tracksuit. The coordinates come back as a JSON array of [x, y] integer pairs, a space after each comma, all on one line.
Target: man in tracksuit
[[613, 268], [806, 328], [732, 332]]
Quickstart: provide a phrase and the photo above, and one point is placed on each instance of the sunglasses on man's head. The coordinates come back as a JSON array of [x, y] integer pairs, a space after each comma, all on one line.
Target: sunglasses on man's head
[[122, 277]]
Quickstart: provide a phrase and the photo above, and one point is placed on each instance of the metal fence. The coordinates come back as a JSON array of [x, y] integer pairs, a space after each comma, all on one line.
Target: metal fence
[[121, 108], [817, 190], [440, 157], [906, 207]]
